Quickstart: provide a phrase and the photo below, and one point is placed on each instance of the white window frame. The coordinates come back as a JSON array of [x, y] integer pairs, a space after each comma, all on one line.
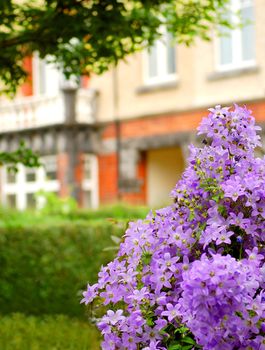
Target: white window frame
[[51, 75], [38, 64], [236, 34], [91, 184], [22, 187], [162, 76]]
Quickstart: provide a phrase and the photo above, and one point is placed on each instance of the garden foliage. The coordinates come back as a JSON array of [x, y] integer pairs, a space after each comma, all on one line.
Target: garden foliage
[[192, 275], [53, 332], [45, 266]]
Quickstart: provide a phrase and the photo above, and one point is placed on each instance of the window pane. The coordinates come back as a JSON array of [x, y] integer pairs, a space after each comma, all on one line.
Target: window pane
[[87, 198], [171, 55], [50, 167], [152, 62], [30, 175], [87, 168], [226, 45], [42, 76], [226, 53], [11, 200], [248, 36], [10, 177], [31, 201], [51, 174]]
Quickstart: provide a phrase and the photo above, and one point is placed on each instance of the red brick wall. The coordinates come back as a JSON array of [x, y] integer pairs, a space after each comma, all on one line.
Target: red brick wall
[[79, 176], [156, 125], [141, 196], [108, 189], [258, 109], [62, 166], [149, 126], [63, 169], [108, 172], [85, 81], [27, 86], [164, 124]]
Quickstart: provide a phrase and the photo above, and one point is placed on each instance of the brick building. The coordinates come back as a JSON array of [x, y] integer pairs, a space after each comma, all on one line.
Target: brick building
[[124, 135]]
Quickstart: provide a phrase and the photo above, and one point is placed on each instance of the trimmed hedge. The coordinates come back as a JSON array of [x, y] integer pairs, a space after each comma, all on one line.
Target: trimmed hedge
[[43, 269], [13, 218], [18, 332]]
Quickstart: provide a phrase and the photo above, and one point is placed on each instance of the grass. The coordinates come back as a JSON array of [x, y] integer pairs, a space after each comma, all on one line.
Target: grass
[[118, 212], [19, 332]]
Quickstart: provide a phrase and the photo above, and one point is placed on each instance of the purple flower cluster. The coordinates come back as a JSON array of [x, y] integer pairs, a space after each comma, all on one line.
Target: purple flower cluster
[[219, 302], [192, 275]]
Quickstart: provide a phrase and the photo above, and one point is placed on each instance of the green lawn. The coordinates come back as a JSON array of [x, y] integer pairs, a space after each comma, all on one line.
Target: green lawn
[[19, 332]]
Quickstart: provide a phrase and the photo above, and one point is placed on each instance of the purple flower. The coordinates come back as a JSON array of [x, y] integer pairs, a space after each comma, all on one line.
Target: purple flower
[[224, 237], [197, 265], [168, 262], [171, 312], [90, 294], [254, 256], [233, 188], [113, 318], [112, 294], [139, 296], [154, 345]]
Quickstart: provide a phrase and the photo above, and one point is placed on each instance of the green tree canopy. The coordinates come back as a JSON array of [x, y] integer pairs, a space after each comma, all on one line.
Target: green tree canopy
[[84, 36]]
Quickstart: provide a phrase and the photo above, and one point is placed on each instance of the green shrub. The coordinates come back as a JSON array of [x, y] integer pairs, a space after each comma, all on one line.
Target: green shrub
[[53, 204], [54, 214], [18, 332], [117, 211], [44, 268]]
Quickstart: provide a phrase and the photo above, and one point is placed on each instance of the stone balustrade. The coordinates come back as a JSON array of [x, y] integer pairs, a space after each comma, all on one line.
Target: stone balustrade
[[37, 111]]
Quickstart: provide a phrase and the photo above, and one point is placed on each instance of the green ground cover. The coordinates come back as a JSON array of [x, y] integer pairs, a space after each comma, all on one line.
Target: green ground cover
[[56, 214], [20, 332], [46, 259]]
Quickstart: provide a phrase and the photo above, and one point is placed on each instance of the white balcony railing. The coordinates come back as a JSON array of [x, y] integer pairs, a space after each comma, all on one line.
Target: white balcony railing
[[36, 111]]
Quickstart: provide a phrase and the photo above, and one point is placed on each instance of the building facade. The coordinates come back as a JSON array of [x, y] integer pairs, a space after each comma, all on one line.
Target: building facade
[[125, 135]]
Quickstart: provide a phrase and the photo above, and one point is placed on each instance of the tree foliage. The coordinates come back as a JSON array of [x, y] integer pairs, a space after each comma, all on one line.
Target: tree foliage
[[23, 155], [84, 36]]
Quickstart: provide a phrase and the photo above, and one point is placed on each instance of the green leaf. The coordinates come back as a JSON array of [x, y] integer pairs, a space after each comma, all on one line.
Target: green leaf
[[175, 346], [182, 330], [188, 340], [107, 249], [88, 44], [146, 258], [115, 239]]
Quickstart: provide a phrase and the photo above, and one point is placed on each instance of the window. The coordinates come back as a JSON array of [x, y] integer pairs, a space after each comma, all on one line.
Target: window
[[30, 174], [39, 76], [90, 181], [87, 199], [237, 46], [20, 192], [11, 201], [11, 177], [160, 60], [50, 167], [45, 77], [31, 200], [88, 167]]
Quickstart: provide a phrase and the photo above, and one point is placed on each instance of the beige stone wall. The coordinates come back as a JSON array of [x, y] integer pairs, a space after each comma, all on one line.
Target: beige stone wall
[[197, 84], [164, 168], [245, 85]]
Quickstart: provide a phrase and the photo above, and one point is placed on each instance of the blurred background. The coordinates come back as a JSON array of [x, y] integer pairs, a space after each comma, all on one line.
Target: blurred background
[[111, 147], [123, 135]]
